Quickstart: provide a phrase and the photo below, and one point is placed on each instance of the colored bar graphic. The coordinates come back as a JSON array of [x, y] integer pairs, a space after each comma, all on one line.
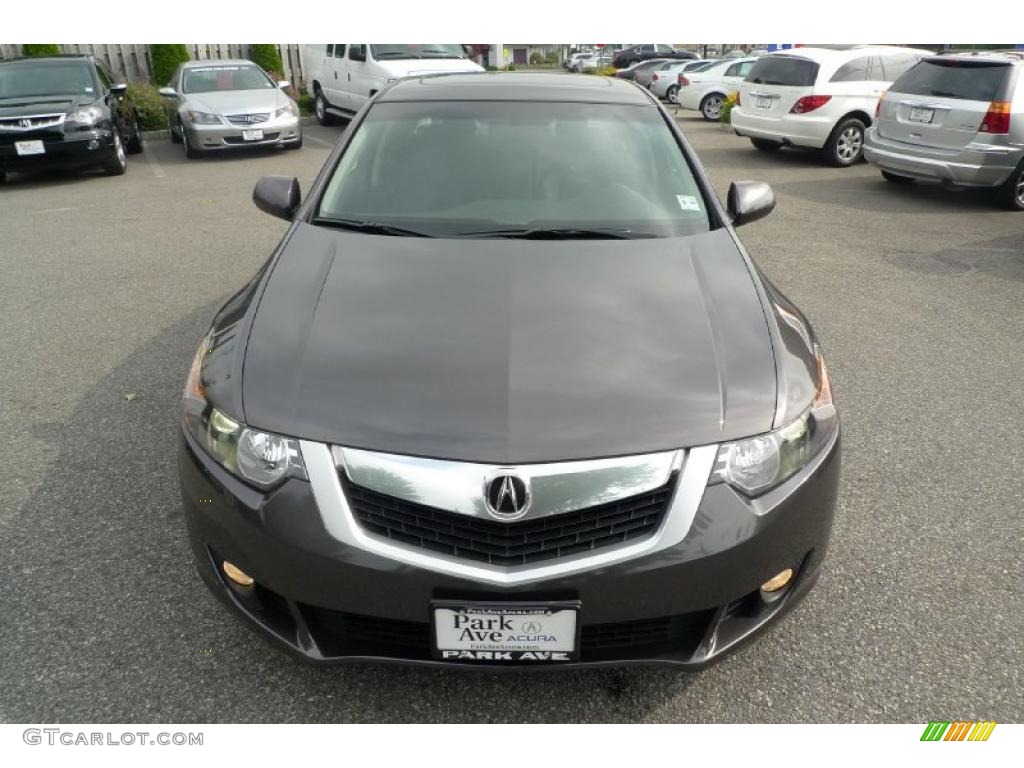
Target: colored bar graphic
[[958, 730]]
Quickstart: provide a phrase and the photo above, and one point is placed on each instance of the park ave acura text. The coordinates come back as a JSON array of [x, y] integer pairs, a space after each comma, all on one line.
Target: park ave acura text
[[510, 392]]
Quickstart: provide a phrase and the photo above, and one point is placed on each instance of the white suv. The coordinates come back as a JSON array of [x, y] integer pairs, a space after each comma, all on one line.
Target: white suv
[[818, 97]]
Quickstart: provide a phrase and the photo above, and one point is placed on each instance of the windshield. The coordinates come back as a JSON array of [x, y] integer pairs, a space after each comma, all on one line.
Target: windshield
[[240, 77], [783, 70], [448, 169], [969, 80], [421, 51], [49, 79]]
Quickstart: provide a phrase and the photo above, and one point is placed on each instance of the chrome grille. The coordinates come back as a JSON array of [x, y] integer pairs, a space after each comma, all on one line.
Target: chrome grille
[[253, 118], [30, 122]]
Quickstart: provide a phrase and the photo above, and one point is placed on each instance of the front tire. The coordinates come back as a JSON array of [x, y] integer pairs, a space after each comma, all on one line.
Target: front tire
[[845, 145], [117, 163], [766, 145], [1011, 194], [711, 107], [175, 137], [135, 142], [190, 152], [322, 115], [895, 178]]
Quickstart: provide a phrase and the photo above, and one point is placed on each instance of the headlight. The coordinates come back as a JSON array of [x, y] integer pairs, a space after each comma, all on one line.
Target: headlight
[[260, 458], [84, 116], [758, 464], [289, 110], [202, 118]]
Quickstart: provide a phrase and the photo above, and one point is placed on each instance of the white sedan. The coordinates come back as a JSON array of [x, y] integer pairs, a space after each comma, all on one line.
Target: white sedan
[[707, 90], [665, 80]]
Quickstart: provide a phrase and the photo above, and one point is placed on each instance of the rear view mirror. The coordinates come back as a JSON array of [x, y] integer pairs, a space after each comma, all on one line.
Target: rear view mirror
[[749, 201], [282, 84], [119, 88], [278, 195], [168, 91]]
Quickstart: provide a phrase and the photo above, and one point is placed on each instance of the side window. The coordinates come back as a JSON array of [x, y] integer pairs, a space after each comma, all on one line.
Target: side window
[[330, 49], [853, 71], [894, 66], [646, 48], [357, 52], [339, 50], [105, 80], [733, 71], [745, 68]]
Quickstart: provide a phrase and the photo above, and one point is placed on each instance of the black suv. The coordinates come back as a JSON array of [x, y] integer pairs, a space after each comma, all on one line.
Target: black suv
[[635, 53], [64, 111]]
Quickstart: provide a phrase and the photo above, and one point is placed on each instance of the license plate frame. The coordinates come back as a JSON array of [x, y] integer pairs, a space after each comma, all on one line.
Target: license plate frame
[[252, 134], [923, 115], [30, 147], [523, 619], [763, 102]]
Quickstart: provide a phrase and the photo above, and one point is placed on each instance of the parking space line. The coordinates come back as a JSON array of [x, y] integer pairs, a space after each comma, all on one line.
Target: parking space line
[[154, 164], [315, 140]]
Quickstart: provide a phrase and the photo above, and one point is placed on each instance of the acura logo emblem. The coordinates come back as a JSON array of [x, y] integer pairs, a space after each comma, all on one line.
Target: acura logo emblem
[[25, 123], [507, 495]]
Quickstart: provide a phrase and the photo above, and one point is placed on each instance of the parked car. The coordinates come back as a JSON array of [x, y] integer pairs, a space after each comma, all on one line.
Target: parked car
[[957, 119], [230, 104], [65, 112], [593, 61], [571, 59], [645, 70], [626, 56], [405, 430], [342, 76], [629, 73], [707, 89], [665, 79], [821, 98]]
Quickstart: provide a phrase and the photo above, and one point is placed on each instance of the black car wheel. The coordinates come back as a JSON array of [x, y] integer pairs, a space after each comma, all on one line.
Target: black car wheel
[[135, 142], [1011, 194], [322, 115], [845, 146], [765, 145], [190, 152], [711, 107], [175, 135], [117, 163], [673, 94]]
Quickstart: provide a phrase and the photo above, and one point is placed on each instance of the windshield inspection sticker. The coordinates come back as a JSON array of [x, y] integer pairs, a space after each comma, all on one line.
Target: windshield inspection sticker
[[688, 202]]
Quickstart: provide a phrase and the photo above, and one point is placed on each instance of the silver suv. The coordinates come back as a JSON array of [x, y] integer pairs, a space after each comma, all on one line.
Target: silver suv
[[958, 119]]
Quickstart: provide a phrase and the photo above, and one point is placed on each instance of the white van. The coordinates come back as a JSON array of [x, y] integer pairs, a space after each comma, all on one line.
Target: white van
[[341, 76]]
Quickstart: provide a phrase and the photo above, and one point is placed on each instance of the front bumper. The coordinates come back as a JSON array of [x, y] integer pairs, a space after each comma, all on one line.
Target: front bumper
[[804, 130], [280, 131], [330, 602], [975, 165], [71, 150]]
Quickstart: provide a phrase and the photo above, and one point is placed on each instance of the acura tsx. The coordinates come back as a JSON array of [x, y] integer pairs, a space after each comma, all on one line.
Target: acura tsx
[[510, 392]]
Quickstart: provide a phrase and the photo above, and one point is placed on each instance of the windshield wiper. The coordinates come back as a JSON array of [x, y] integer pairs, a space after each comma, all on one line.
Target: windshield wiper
[[557, 234], [368, 227]]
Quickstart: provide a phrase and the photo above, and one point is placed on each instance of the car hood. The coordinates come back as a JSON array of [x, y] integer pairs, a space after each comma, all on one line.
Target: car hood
[[35, 105], [236, 102], [509, 351]]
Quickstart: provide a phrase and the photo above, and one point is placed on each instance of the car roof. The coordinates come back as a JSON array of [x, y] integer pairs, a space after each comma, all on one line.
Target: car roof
[[215, 63], [842, 55], [516, 86], [60, 58], [1011, 57]]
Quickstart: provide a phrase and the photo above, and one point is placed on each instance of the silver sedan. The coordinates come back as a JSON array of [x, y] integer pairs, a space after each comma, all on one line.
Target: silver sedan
[[229, 105]]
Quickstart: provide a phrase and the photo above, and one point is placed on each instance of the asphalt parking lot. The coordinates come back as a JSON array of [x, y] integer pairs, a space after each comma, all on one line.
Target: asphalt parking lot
[[109, 283]]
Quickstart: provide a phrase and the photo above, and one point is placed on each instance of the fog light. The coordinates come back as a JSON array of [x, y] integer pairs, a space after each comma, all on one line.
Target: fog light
[[237, 575], [774, 584]]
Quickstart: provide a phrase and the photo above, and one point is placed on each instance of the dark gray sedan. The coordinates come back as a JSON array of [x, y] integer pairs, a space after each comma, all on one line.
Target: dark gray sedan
[[510, 392]]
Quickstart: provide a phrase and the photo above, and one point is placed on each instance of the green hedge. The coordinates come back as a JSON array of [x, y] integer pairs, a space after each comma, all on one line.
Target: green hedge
[[267, 56], [40, 49], [165, 59], [149, 106]]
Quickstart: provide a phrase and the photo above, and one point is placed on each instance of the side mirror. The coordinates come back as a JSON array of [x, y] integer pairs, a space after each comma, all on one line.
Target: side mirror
[[749, 201], [119, 89], [169, 92], [278, 195], [282, 84]]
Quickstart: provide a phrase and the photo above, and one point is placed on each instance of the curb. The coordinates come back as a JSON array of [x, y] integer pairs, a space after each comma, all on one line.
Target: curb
[[165, 134]]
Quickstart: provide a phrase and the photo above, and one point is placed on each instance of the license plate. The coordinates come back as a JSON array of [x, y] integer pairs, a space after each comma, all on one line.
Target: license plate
[[920, 115], [29, 147], [763, 102], [253, 134], [506, 632]]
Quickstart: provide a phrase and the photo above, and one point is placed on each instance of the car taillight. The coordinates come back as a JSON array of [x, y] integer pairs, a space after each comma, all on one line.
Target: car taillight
[[997, 119], [681, 80], [809, 104], [654, 76], [878, 106]]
